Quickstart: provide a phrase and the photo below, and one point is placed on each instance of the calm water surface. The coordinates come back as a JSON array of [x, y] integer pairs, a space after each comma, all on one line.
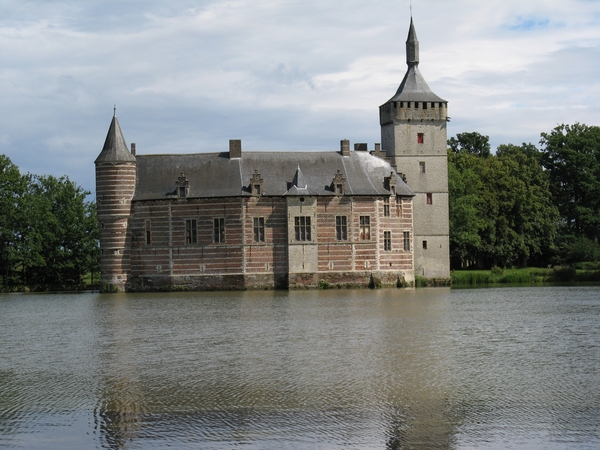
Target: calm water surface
[[387, 369]]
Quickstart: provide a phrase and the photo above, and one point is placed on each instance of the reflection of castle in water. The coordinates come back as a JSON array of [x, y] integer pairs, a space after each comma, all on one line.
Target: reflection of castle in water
[[120, 405], [271, 369]]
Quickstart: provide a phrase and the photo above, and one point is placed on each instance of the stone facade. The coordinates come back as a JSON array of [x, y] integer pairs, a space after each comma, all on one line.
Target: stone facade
[[414, 137], [252, 220]]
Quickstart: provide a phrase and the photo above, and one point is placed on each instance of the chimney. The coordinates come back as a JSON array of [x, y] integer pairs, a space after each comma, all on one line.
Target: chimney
[[235, 148], [377, 147], [345, 147], [133, 148]]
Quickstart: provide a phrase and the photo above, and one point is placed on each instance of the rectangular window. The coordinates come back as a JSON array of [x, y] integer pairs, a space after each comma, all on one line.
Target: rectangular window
[[341, 228], [386, 207], [219, 230], [365, 228], [429, 198], [387, 241], [257, 189], [407, 241], [339, 189], [259, 229], [148, 233], [191, 235], [398, 207], [302, 228], [420, 138], [424, 245], [182, 191], [422, 166]]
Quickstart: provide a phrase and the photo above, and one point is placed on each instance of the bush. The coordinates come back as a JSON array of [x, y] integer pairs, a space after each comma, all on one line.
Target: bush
[[324, 284], [567, 273]]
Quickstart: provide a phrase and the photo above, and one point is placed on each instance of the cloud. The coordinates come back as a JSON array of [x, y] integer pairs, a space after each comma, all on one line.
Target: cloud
[[187, 75]]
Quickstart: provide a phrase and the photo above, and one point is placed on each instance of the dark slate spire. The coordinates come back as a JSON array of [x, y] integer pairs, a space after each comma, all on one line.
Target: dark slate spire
[[115, 148], [412, 46], [414, 88]]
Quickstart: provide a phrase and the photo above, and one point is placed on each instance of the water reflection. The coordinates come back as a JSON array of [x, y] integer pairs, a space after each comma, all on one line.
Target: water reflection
[[387, 369]]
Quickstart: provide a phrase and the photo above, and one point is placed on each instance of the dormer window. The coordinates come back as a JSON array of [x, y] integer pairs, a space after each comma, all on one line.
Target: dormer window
[[339, 183], [183, 186], [390, 184], [256, 184]]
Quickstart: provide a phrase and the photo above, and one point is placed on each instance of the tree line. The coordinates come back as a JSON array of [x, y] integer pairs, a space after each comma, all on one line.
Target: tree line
[[525, 205], [48, 231]]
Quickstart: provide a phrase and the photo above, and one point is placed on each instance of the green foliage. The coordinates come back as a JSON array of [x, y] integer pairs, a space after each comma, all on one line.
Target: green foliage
[[564, 273], [571, 156], [501, 209], [470, 143], [324, 284], [48, 232]]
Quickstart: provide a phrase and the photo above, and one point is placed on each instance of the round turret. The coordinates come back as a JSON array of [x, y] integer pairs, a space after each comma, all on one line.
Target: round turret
[[115, 186]]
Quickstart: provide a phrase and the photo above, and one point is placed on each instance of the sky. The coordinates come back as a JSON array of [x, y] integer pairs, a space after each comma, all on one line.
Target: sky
[[299, 75]]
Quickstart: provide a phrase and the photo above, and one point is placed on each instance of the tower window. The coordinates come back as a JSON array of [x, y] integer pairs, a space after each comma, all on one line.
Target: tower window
[[420, 138], [424, 245], [422, 166], [429, 200], [406, 236], [148, 233]]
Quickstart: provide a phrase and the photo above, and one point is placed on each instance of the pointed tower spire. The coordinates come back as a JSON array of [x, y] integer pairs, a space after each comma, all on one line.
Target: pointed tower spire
[[412, 46], [115, 148]]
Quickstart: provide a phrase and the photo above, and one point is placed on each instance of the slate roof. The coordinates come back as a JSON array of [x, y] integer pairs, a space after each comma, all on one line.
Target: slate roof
[[216, 175], [414, 88], [115, 148]]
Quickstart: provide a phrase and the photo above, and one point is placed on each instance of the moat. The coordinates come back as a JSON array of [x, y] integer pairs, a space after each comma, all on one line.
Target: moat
[[390, 369]]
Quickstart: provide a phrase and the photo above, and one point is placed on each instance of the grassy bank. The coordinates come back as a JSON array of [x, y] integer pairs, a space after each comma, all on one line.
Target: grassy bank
[[530, 275]]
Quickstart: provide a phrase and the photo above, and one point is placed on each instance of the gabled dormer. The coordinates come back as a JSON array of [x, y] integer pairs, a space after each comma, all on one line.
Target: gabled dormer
[[183, 186], [338, 184]]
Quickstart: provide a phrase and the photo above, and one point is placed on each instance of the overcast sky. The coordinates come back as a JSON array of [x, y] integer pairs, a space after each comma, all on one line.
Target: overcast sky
[[188, 75]]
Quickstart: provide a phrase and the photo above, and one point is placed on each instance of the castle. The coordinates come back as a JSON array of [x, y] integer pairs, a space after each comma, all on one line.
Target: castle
[[255, 220]]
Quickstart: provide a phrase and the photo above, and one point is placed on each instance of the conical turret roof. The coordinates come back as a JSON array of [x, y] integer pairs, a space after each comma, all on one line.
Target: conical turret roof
[[414, 88], [115, 149]]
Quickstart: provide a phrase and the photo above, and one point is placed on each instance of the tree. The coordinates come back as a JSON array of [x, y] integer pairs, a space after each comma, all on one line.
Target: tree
[[571, 156], [501, 209], [470, 143], [12, 188]]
